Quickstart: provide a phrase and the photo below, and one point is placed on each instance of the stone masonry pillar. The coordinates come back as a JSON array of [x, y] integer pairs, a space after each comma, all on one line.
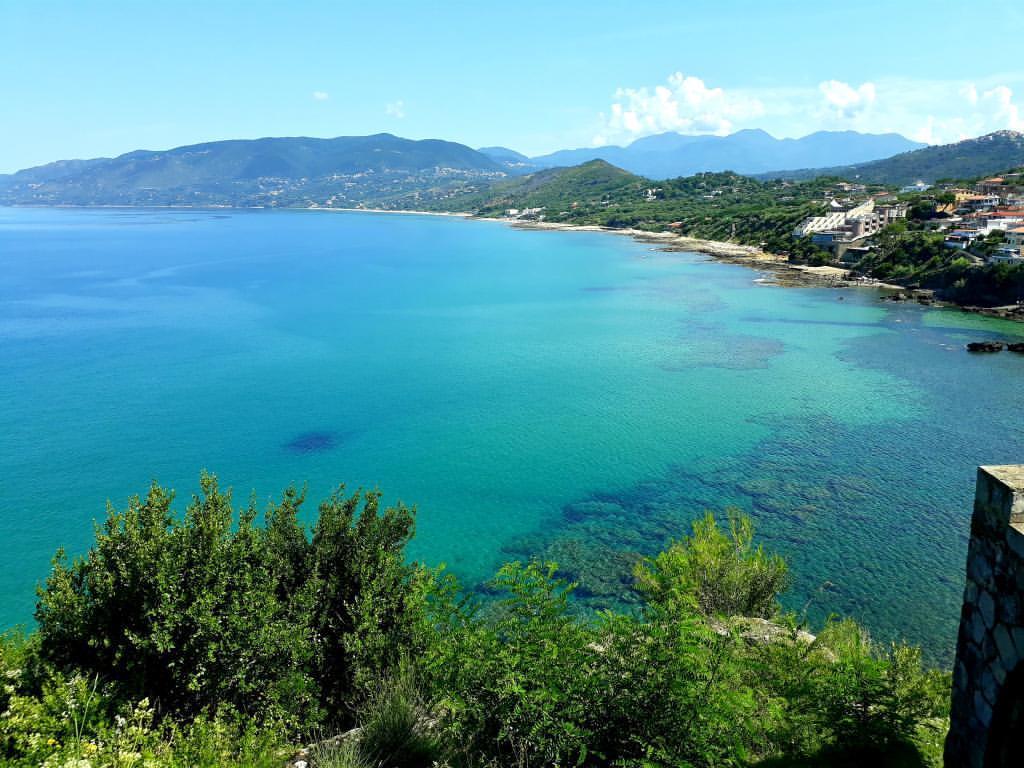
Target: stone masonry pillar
[[988, 686]]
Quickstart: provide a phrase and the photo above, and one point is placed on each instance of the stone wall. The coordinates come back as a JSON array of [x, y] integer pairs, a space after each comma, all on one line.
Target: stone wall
[[987, 718]]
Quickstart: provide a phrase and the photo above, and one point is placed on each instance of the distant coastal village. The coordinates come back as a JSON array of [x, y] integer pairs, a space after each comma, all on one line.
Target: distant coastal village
[[984, 221]]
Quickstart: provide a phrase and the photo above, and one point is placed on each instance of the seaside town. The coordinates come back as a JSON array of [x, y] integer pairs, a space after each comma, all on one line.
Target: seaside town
[[985, 220]]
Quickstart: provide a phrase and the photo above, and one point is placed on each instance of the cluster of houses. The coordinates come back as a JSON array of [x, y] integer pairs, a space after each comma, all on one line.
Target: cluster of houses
[[992, 205], [970, 216]]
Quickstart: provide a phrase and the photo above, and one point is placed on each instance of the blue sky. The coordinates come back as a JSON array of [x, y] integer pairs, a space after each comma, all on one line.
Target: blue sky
[[90, 78]]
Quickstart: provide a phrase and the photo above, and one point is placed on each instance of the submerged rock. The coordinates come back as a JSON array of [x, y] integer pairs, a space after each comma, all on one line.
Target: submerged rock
[[312, 442], [985, 346]]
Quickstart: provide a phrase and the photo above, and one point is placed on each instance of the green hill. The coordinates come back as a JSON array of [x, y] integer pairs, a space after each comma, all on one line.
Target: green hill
[[591, 185], [967, 159], [717, 206], [274, 171]]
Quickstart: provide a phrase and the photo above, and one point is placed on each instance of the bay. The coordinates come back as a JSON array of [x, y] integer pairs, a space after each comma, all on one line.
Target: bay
[[570, 395]]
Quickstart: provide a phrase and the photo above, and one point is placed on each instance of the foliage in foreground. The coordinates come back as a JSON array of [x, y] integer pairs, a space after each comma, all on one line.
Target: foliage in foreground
[[211, 640]]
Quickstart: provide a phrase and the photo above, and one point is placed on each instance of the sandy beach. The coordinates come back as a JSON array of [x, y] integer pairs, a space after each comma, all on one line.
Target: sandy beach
[[388, 210], [776, 269]]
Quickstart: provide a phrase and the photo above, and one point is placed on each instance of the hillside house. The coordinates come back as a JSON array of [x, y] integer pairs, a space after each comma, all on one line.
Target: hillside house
[[1015, 238], [1006, 255]]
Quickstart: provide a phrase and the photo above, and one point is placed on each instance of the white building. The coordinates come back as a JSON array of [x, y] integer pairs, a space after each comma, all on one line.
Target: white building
[[1015, 238], [1006, 255], [847, 225]]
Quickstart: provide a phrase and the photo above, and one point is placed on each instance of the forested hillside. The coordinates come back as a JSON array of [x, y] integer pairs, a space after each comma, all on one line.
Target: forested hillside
[[966, 159]]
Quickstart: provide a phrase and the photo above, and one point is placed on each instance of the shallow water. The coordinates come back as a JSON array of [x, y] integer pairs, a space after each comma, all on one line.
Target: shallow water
[[568, 394]]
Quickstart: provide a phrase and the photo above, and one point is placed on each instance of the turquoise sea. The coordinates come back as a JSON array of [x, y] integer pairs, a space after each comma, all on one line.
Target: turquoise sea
[[571, 395]]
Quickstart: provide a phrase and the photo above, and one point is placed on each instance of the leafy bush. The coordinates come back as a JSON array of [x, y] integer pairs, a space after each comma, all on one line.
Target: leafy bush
[[198, 613], [721, 570], [210, 640], [518, 682], [870, 696]]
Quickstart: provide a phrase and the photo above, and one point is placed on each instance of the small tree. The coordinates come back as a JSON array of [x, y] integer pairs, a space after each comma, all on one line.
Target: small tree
[[364, 599], [211, 610], [873, 697], [720, 569]]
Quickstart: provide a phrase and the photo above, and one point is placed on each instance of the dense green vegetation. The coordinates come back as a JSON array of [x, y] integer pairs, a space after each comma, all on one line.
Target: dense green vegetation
[[207, 639], [714, 206], [968, 159]]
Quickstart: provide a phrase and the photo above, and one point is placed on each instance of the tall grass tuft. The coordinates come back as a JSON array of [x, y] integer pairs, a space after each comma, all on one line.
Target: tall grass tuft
[[343, 753], [396, 728]]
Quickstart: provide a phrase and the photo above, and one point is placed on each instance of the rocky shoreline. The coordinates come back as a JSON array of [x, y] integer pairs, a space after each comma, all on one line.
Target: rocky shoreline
[[777, 270]]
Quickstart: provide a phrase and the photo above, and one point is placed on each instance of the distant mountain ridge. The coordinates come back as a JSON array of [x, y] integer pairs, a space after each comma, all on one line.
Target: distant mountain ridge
[[751, 151], [251, 172], [967, 159], [383, 170]]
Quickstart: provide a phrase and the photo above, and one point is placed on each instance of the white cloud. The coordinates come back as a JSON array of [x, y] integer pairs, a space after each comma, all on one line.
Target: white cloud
[[931, 111], [395, 109], [1006, 113], [986, 109], [685, 104], [321, 96], [844, 101]]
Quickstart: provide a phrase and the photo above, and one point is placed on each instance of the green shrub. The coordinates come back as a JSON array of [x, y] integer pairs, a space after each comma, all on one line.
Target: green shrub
[[364, 601], [74, 723], [209, 640], [519, 682], [721, 570], [213, 610], [874, 697]]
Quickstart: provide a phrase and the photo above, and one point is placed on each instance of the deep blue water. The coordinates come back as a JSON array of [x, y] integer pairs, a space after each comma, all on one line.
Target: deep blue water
[[572, 395]]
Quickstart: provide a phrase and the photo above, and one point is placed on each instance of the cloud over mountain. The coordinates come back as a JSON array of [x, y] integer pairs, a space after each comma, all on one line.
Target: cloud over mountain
[[684, 104], [845, 100], [932, 111]]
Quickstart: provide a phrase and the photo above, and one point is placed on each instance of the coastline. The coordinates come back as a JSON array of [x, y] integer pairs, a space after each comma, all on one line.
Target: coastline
[[447, 214], [777, 270]]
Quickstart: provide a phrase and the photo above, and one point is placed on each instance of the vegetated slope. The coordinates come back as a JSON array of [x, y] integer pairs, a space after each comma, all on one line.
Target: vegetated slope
[[749, 151], [588, 185], [963, 160], [591, 185], [275, 171], [718, 206]]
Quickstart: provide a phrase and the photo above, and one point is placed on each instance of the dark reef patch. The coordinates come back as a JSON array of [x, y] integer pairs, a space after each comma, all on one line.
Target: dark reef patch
[[312, 442], [828, 496]]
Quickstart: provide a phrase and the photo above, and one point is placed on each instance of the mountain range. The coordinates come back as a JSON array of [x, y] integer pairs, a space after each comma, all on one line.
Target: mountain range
[[668, 155], [389, 171]]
